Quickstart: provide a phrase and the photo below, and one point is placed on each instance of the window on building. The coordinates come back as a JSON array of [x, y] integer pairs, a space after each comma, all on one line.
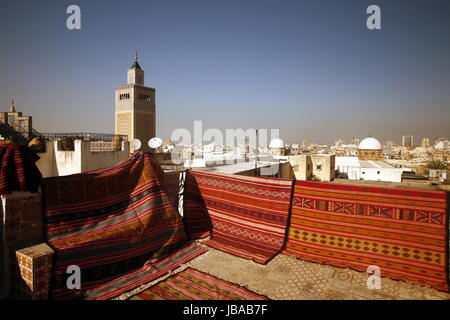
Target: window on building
[[378, 172], [11, 120], [124, 96], [319, 167], [144, 97], [21, 126], [363, 172]]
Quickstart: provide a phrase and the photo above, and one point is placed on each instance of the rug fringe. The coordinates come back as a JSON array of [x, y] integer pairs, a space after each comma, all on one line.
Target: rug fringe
[[126, 295]]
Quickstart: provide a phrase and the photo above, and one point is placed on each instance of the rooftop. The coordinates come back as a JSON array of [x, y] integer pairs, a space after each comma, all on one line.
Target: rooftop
[[288, 278], [135, 65]]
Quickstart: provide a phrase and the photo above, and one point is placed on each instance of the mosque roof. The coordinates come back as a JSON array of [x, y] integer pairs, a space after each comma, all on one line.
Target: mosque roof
[[135, 65], [370, 143], [276, 143]]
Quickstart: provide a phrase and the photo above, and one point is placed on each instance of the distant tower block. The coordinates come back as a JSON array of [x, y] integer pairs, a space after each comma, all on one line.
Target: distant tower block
[[136, 107]]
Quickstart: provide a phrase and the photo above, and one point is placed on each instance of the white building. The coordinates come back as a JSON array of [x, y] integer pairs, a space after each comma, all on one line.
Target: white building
[[277, 147], [55, 162], [363, 168]]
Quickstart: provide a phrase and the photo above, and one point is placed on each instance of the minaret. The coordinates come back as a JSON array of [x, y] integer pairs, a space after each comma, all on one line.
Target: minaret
[[135, 73], [136, 107], [11, 107]]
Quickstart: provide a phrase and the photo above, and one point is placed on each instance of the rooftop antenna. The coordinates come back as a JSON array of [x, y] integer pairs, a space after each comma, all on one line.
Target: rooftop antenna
[[135, 55], [155, 142], [135, 144]]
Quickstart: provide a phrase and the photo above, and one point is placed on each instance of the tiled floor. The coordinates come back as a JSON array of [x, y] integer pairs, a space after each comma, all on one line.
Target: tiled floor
[[288, 278]]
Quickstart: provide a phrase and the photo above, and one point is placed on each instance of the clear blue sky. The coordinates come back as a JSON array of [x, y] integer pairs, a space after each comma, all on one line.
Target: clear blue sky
[[310, 68]]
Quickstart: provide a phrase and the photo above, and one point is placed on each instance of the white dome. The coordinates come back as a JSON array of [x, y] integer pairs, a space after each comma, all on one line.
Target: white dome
[[370, 144], [276, 144]]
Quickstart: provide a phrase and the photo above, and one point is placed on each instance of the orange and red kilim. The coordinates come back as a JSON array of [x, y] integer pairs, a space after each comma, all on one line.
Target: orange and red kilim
[[192, 284], [402, 231], [245, 216]]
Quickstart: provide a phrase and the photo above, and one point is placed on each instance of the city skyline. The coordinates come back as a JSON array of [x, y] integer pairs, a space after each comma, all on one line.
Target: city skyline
[[312, 70]]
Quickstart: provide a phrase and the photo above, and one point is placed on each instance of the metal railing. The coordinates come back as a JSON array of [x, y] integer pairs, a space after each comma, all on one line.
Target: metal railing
[[85, 136]]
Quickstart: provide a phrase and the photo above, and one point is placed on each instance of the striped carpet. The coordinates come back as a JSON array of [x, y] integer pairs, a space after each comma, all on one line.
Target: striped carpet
[[192, 284], [171, 185], [245, 216], [18, 170], [403, 232], [117, 225]]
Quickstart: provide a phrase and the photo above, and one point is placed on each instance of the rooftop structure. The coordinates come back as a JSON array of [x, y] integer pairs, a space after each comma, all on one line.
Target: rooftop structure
[[22, 126], [370, 149], [135, 114], [353, 168]]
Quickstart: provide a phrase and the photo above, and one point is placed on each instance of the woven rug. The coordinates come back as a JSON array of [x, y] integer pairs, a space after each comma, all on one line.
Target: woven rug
[[192, 284], [171, 184], [404, 232], [245, 216], [117, 225], [18, 170]]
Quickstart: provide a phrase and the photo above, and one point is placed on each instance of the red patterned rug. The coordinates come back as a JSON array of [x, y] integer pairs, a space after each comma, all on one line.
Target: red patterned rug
[[404, 232], [171, 184], [18, 170], [245, 216], [192, 284], [117, 225]]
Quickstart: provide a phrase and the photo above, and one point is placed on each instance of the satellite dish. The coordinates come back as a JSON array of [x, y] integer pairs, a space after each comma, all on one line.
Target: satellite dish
[[155, 142], [135, 144]]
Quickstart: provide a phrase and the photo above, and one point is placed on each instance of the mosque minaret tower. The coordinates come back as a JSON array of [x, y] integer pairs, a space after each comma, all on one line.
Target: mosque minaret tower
[[135, 114]]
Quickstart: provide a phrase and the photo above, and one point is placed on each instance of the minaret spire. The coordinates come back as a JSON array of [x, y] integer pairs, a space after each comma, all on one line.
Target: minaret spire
[[135, 64], [11, 107]]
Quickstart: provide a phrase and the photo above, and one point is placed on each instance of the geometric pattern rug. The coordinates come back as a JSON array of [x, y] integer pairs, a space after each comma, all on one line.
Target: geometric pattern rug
[[245, 216], [192, 284], [401, 233]]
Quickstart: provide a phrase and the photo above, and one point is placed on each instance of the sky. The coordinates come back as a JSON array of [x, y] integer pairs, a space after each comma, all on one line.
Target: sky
[[311, 69]]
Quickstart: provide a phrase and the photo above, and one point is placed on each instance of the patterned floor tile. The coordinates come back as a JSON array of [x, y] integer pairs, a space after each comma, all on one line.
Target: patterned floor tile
[[288, 278]]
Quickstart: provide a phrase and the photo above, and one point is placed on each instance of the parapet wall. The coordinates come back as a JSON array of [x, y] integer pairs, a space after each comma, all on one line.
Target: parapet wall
[[55, 162]]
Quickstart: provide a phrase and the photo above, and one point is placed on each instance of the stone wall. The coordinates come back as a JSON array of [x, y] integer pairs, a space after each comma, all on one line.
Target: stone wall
[[21, 226], [22, 219], [313, 166], [301, 166], [323, 167]]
